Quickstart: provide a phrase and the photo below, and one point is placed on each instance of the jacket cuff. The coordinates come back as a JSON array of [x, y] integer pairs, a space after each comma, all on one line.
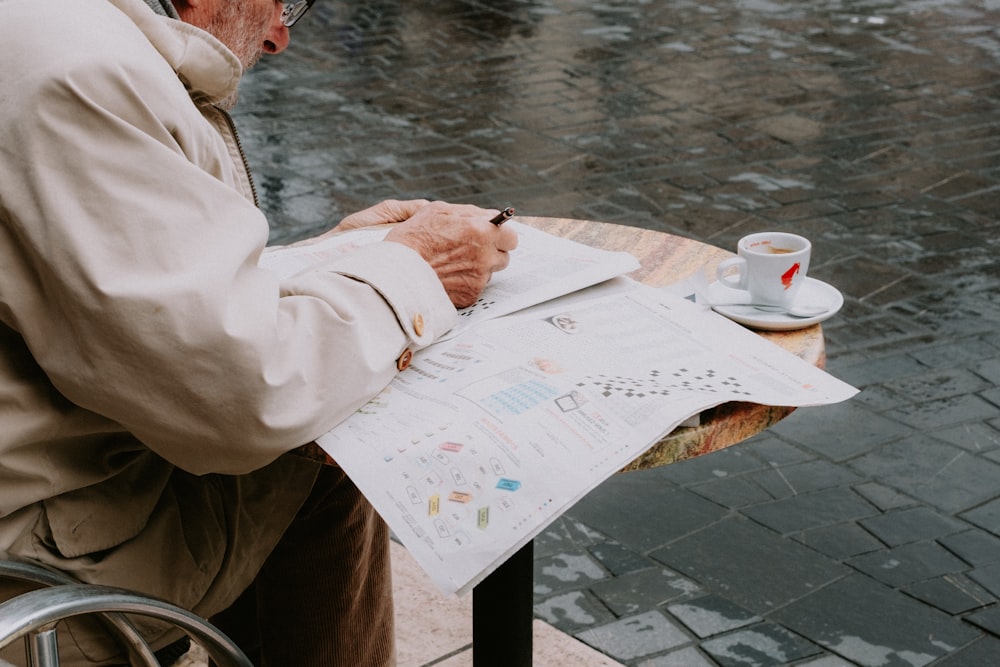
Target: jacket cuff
[[407, 283]]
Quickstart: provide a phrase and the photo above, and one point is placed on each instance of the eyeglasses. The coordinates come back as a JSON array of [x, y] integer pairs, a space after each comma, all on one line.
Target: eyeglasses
[[293, 11]]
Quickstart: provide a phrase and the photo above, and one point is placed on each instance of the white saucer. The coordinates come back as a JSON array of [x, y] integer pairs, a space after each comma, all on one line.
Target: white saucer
[[812, 293]]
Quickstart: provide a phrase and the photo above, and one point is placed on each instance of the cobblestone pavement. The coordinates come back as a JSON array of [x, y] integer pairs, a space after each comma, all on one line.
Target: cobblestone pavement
[[866, 533]]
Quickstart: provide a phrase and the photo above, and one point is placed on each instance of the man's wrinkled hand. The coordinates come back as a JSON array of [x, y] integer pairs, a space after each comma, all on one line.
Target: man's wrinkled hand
[[390, 210], [460, 243]]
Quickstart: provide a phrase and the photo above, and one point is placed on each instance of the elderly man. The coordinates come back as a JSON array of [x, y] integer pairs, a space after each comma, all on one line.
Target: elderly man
[[156, 386]]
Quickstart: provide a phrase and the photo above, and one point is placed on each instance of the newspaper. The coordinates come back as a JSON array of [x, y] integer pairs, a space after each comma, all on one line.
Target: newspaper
[[489, 436], [543, 267]]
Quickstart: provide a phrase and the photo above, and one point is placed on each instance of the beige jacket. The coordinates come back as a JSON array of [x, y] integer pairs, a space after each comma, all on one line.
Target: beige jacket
[[151, 376]]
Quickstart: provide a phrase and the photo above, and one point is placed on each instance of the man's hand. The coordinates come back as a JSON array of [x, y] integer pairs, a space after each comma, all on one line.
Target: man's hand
[[459, 242], [390, 210]]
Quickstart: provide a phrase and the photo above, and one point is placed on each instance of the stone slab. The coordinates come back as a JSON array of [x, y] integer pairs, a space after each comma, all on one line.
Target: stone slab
[[840, 541], [733, 492], [988, 576], [619, 559], [685, 657], [973, 436], [982, 653], [975, 547], [565, 571], [941, 475], [764, 645], [641, 511], [635, 636], [840, 431], [986, 516], [912, 525], [988, 620], [953, 594], [871, 625], [811, 510], [572, 611], [757, 569], [712, 615], [908, 563], [801, 478], [646, 589]]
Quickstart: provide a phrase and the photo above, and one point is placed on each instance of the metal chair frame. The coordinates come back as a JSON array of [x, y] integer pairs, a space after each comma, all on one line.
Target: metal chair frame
[[33, 617]]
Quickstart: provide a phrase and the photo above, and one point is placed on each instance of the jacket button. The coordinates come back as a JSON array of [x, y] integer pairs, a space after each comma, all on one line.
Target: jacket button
[[404, 360], [418, 324]]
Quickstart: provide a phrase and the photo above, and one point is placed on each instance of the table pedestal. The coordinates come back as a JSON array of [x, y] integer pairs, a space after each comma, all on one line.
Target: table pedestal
[[502, 611]]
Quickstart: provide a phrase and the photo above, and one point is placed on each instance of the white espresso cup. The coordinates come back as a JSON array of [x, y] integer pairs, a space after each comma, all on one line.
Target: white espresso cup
[[771, 266]]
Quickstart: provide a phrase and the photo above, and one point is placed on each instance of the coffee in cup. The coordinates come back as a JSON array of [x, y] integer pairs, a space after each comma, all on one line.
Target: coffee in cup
[[770, 266]]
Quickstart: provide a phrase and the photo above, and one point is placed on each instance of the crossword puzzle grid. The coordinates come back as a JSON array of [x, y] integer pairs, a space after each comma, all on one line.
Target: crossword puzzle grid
[[480, 305], [659, 384]]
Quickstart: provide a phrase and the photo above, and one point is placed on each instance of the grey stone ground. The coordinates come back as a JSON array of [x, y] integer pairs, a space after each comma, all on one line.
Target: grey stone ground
[[866, 533]]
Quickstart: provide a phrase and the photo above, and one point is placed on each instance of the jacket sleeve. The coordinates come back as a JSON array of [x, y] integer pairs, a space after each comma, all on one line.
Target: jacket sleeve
[[130, 270]]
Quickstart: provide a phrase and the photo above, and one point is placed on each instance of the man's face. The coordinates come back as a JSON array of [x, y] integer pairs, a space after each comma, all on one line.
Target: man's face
[[249, 28]]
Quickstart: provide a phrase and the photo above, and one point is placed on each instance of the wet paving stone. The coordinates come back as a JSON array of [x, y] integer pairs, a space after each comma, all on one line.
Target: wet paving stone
[[839, 431], [775, 452], [826, 661], [806, 477], [722, 464], [973, 546], [612, 509], [952, 594], [988, 576], [982, 653], [635, 636], [956, 354], [975, 437], [572, 611], [685, 657], [907, 564], [883, 497], [566, 570], [910, 633], [943, 476], [755, 567], [733, 492], [988, 620], [840, 541], [812, 510], [619, 559], [880, 370], [712, 615], [642, 590], [765, 645], [943, 383], [945, 411], [565, 535], [911, 525], [986, 515]]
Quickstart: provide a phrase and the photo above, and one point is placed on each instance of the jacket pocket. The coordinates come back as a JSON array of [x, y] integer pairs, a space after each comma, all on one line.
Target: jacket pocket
[[102, 516]]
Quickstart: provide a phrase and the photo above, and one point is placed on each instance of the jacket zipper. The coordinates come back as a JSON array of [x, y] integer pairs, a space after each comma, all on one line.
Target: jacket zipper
[[243, 155]]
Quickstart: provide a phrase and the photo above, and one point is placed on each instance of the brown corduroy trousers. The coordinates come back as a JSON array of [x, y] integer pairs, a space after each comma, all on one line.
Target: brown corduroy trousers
[[324, 595]]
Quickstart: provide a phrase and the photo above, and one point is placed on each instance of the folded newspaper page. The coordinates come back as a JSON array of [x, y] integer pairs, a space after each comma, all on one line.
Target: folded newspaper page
[[543, 267], [489, 436]]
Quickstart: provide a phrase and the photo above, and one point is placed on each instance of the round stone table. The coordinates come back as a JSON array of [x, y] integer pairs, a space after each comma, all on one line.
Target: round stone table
[[502, 604]]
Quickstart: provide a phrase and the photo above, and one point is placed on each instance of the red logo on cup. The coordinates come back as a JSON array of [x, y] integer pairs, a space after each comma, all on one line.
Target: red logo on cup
[[786, 277]]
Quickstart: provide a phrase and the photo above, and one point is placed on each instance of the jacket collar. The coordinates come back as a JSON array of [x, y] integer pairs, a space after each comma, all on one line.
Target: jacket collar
[[205, 65], [163, 7]]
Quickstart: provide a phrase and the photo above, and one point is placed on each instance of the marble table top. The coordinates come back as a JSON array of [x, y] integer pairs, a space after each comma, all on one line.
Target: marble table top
[[666, 259]]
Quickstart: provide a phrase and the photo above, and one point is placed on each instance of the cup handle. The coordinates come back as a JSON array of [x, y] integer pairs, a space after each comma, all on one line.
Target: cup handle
[[738, 278]]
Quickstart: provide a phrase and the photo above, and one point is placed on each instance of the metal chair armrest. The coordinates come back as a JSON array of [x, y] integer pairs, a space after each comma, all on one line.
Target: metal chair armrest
[[39, 610]]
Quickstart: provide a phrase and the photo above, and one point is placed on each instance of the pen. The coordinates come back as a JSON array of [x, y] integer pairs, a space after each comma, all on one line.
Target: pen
[[503, 216]]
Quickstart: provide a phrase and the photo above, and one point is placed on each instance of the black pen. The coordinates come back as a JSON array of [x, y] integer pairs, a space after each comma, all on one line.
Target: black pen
[[503, 216]]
